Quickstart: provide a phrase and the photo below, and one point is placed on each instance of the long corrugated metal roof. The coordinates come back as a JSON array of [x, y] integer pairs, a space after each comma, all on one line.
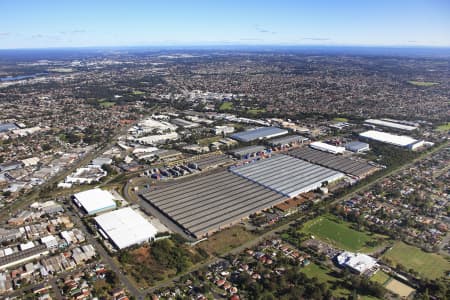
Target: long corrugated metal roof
[[287, 175], [209, 202], [258, 133]]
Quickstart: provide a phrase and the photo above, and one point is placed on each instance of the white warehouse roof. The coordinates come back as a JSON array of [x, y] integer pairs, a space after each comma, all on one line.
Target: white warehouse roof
[[356, 261], [125, 227], [397, 140], [391, 124], [327, 147], [95, 200], [287, 175]]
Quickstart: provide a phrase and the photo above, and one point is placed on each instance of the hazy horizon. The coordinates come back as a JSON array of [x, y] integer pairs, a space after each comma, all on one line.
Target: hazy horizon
[[49, 24]]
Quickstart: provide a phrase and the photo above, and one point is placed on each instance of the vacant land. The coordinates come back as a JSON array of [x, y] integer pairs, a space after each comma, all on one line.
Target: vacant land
[[423, 83], [226, 240], [339, 233], [325, 275], [162, 259], [380, 277], [429, 265], [444, 127], [226, 106], [209, 140]]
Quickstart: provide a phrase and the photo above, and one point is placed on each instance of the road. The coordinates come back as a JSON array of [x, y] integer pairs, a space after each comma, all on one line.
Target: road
[[51, 281], [285, 226], [107, 259], [34, 194]]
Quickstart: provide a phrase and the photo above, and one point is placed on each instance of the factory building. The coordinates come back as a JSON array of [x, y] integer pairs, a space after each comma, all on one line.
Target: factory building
[[259, 134], [210, 203], [393, 139], [348, 165], [222, 129], [94, 201], [357, 147], [391, 125], [247, 152], [288, 141], [357, 262], [125, 227], [327, 147], [287, 175]]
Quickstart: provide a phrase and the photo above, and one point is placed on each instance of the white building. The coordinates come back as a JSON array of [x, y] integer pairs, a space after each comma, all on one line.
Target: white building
[[125, 227], [357, 262], [86, 175], [223, 130], [327, 147], [94, 201], [157, 139], [49, 241], [390, 124], [393, 139]]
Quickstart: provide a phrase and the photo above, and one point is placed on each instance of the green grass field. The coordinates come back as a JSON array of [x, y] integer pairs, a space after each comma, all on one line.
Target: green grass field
[[137, 93], [380, 277], [324, 275], [339, 233], [256, 111], [226, 106], [208, 140], [423, 83], [444, 127], [340, 119], [429, 265], [107, 104]]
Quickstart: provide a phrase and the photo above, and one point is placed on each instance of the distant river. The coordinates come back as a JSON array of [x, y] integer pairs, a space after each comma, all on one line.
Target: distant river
[[21, 77]]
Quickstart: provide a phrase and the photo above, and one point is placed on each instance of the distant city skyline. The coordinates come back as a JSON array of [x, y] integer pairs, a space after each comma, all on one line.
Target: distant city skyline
[[48, 24]]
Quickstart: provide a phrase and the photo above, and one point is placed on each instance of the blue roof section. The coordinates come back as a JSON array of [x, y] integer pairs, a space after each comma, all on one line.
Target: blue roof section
[[258, 133], [356, 145], [7, 127]]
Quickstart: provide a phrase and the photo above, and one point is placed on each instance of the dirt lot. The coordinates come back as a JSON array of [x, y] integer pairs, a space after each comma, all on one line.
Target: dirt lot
[[226, 239], [399, 288]]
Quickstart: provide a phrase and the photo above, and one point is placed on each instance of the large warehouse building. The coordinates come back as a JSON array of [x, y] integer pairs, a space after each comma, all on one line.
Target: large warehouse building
[[94, 201], [209, 203], [125, 227], [347, 165], [327, 147], [393, 139], [389, 124], [287, 175], [259, 134]]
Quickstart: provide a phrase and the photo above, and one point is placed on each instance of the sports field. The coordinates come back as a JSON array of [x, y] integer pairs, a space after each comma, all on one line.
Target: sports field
[[380, 277], [423, 83], [429, 265], [339, 233], [226, 106], [340, 119], [399, 288]]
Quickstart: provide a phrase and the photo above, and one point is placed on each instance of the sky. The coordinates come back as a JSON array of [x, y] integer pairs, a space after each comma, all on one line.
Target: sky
[[91, 23]]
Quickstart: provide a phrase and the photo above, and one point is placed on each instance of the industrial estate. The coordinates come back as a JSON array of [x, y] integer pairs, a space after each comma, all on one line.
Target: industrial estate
[[155, 176]]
